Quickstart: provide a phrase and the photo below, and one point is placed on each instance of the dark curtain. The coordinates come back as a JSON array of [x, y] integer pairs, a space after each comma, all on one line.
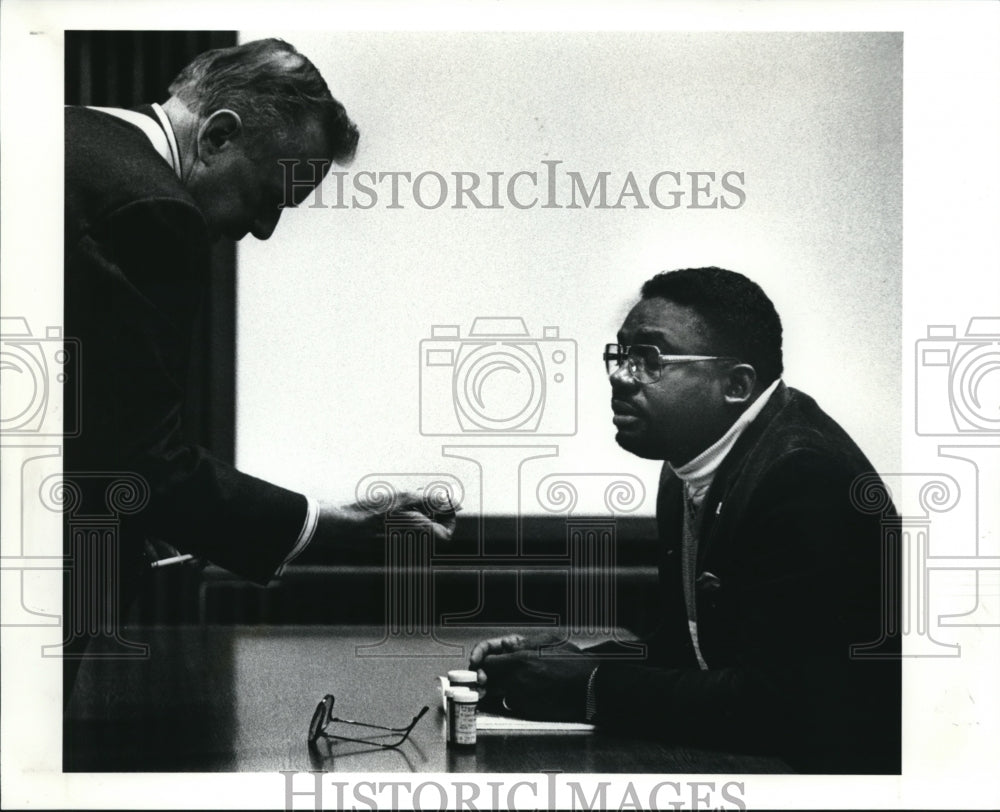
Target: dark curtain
[[128, 68]]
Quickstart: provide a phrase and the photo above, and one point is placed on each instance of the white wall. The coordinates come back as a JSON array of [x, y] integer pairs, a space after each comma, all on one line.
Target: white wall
[[333, 308]]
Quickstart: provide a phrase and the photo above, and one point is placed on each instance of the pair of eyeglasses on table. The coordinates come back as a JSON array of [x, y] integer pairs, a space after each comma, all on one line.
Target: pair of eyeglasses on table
[[323, 717]]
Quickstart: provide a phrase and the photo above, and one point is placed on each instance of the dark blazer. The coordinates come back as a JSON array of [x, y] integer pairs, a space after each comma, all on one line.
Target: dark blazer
[[790, 574], [136, 265]]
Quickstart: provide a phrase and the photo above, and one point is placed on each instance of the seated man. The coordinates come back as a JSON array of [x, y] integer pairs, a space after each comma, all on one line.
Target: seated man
[[769, 573]]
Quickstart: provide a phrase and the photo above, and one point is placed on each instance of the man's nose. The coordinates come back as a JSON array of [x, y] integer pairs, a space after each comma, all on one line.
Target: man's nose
[[622, 379], [265, 223]]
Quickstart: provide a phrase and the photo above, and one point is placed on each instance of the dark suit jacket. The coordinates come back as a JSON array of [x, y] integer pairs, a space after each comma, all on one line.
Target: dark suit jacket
[[790, 574], [136, 264]]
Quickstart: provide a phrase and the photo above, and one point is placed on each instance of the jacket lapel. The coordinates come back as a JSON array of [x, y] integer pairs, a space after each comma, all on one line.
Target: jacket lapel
[[669, 507], [729, 472]]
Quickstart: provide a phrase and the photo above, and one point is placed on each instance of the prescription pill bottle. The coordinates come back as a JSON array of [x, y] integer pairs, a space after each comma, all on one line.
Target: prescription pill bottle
[[449, 714], [462, 718], [462, 679]]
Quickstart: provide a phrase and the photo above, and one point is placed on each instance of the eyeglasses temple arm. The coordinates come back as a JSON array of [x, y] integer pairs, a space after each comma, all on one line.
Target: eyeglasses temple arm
[[406, 729]]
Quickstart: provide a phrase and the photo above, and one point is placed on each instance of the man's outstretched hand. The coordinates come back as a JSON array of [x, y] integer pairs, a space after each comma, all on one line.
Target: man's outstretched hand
[[439, 518], [358, 526]]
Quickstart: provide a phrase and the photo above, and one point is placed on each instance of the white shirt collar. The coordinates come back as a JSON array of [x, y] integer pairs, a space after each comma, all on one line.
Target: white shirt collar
[[168, 130], [698, 474], [161, 137]]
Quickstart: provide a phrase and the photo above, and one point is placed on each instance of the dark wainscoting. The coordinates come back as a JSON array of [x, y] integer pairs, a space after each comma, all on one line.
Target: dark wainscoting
[[590, 571]]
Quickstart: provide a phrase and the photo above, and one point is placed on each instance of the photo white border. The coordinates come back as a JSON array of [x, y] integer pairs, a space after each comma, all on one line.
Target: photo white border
[[951, 261]]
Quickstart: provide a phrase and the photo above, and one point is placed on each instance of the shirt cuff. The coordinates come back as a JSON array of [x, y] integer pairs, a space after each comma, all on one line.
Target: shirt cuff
[[305, 534], [590, 710]]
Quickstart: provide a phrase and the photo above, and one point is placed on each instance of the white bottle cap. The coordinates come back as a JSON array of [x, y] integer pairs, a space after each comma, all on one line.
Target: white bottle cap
[[464, 695], [462, 677]]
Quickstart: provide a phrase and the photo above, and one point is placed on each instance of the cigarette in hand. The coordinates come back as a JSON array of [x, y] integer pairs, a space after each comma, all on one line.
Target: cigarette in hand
[[169, 562]]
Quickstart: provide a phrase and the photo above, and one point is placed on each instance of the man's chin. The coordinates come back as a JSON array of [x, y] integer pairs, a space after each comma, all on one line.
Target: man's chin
[[636, 443]]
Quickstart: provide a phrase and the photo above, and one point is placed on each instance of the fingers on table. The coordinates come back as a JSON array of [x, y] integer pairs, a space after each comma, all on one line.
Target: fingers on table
[[495, 645]]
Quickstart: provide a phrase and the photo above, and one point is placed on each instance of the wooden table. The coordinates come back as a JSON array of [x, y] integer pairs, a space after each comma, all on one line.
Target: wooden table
[[239, 698]]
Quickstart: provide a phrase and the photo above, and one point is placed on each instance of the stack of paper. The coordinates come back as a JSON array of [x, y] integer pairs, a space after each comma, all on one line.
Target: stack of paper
[[494, 723]]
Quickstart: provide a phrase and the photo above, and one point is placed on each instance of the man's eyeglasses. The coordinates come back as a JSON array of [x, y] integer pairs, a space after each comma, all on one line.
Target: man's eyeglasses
[[645, 363], [323, 717]]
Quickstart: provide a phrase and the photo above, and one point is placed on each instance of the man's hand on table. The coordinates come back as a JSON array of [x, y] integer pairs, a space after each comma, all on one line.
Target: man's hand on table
[[537, 676]]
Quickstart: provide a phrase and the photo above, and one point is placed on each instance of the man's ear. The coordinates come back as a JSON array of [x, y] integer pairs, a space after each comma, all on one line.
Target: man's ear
[[740, 383], [217, 132]]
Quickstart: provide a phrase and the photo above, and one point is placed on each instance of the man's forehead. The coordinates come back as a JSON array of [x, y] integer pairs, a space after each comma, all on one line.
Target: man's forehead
[[657, 320], [299, 164], [651, 315]]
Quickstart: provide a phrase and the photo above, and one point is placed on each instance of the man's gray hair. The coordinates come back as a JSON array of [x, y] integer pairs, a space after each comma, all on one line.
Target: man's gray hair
[[277, 92]]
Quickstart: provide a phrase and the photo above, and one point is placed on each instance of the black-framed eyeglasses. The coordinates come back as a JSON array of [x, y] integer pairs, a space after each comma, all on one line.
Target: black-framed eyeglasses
[[645, 363], [323, 717]]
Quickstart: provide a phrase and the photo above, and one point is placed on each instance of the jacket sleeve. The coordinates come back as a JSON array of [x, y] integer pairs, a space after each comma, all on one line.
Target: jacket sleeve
[[801, 581], [134, 282]]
